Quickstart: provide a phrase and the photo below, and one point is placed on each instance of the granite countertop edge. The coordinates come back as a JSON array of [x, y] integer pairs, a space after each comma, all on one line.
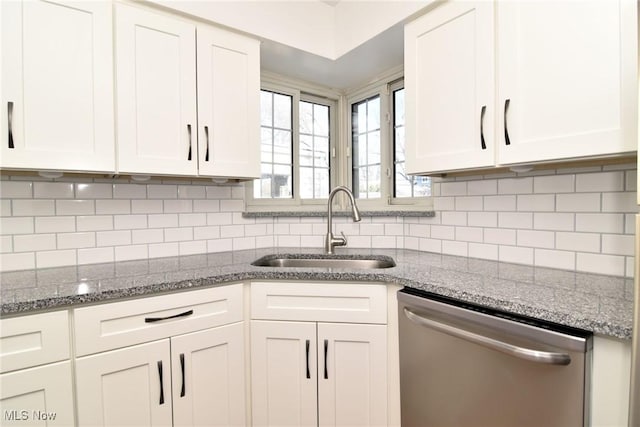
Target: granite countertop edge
[[244, 271]]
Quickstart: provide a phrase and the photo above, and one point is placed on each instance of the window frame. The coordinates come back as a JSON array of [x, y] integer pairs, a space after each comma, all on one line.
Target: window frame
[[299, 92]]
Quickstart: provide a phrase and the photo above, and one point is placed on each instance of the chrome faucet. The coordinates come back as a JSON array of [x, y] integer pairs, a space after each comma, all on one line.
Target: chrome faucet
[[330, 240]]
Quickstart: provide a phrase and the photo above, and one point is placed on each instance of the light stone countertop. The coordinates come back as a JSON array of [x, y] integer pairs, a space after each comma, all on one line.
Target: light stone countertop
[[597, 303]]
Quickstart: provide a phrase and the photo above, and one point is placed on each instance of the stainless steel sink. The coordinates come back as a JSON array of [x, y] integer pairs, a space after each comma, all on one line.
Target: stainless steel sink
[[325, 261]]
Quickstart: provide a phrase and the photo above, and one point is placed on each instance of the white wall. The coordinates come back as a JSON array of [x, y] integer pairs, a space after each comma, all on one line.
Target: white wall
[[572, 219]]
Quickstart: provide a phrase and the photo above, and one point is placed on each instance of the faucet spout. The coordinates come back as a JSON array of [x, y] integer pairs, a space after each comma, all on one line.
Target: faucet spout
[[331, 241]]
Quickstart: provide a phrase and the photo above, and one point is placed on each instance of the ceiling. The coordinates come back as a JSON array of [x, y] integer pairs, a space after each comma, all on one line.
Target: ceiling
[[356, 68]]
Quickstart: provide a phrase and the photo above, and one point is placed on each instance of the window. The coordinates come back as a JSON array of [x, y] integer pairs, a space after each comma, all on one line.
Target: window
[[303, 156]]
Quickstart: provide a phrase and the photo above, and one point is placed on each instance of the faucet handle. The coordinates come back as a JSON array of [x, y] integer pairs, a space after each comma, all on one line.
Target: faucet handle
[[344, 239]]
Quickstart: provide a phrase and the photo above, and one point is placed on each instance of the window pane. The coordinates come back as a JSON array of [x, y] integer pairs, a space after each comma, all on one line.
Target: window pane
[[403, 182], [366, 148], [275, 147], [314, 150]]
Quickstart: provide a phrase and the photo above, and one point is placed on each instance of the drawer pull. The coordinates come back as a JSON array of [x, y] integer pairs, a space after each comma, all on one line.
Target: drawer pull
[[182, 391], [175, 316], [10, 123], [308, 371], [326, 349], [161, 382], [482, 112], [507, 141]]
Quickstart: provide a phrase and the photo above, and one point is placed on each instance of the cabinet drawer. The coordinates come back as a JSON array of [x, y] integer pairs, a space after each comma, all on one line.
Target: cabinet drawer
[[319, 301], [121, 324], [33, 340]]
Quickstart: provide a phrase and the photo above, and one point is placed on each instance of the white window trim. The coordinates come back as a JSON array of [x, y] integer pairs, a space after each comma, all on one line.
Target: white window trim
[[340, 145]]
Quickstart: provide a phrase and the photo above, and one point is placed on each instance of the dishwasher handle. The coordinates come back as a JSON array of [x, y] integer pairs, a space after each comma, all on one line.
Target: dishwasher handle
[[546, 357]]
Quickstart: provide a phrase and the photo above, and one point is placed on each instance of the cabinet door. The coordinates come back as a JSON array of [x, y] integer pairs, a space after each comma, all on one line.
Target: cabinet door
[[228, 104], [449, 81], [127, 387], [156, 93], [57, 86], [37, 396], [208, 377], [283, 373], [352, 374], [567, 79]]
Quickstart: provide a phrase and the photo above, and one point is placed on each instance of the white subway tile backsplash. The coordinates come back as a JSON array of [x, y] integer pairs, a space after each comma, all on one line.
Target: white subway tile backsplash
[[34, 242], [221, 218], [93, 191], [94, 222], [52, 224], [218, 192], [578, 202], [600, 223], [126, 253], [469, 203], [160, 250], [482, 187], [265, 241], [48, 259], [261, 229], [453, 218], [111, 207], [53, 190], [427, 245], [383, 242], [554, 221], [444, 204], [192, 247], [33, 207], [359, 241], [372, 229], [618, 244], [17, 261], [631, 266], [129, 191], [162, 191], [146, 206], [451, 247], [129, 222], [555, 259], [601, 264], [206, 233], [227, 231], [178, 234], [178, 206], [631, 180], [469, 234], [482, 219], [630, 224], [163, 220], [206, 205], [6, 244], [601, 181], [78, 207], [5, 207], [192, 219], [298, 228], [536, 203], [191, 192], [419, 230], [152, 235], [16, 225], [500, 236], [554, 184], [515, 254], [515, 186], [515, 220], [578, 242], [500, 203], [535, 239], [76, 240], [292, 241], [219, 245], [244, 243], [16, 190], [113, 238], [618, 202], [484, 251], [393, 230], [95, 255], [453, 189], [231, 205], [443, 232]]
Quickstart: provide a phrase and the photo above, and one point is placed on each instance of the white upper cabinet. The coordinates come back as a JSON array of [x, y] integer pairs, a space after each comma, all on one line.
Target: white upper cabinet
[[156, 93], [57, 86], [228, 104], [565, 81], [449, 81], [567, 76]]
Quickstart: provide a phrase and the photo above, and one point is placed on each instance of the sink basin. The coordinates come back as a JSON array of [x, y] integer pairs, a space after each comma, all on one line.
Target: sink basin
[[325, 261]]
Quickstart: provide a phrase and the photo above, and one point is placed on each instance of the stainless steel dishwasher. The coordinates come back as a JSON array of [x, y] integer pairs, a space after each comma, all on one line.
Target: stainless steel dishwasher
[[465, 365]]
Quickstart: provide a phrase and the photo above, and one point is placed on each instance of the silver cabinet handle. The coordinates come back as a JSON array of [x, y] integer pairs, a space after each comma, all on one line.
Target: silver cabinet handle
[[546, 357], [206, 133], [10, 123], [482, 113], [507, 141]]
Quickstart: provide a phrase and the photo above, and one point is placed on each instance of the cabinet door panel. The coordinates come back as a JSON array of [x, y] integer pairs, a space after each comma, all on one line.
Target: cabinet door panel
[[213, 379], [282, 392], [354, 390], [57, 86], [37, 396], [156, 99], [571, 83], [449, 85], [123, 387], [228, 104]]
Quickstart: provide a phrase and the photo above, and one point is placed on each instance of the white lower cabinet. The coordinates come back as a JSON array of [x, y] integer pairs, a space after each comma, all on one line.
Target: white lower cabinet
[[319, 354]]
